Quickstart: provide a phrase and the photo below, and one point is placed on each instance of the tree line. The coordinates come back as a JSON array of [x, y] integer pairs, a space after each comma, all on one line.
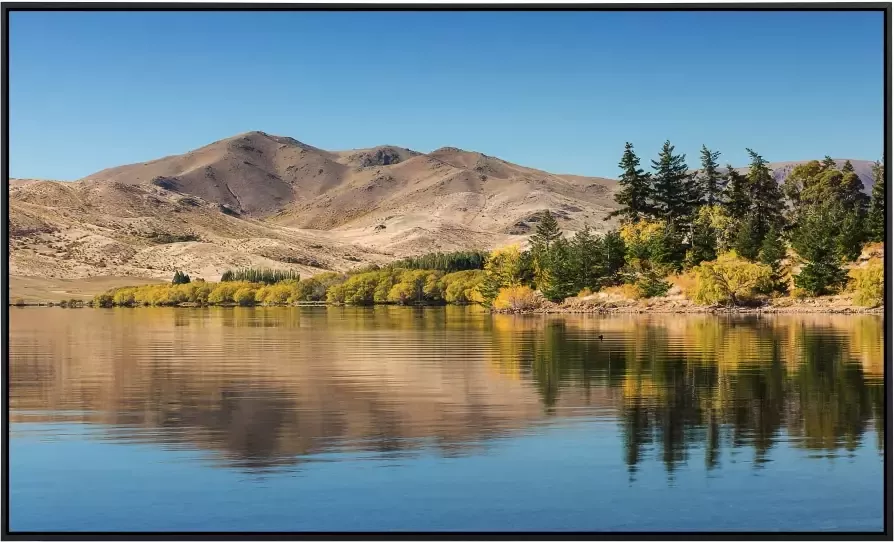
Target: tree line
[[735, 234], [718, 222]]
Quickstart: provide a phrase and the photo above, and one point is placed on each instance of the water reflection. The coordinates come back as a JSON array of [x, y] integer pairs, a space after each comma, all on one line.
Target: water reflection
[[263, 388]]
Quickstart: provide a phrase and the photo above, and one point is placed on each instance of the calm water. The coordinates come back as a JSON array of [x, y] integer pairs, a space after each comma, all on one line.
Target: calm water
[[315, 418]]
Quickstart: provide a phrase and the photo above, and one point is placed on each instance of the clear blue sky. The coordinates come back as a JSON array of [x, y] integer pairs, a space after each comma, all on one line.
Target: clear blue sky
[[557, 91]]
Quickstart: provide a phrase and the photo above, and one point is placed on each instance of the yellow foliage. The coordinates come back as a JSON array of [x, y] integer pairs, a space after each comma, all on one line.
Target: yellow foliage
[[636, 233], [277, 294], [244, 296], [868, 283], [462, 286], [686, 282], [585, 292], [505, 265], [729, 280], [224, 292], [516, 298]]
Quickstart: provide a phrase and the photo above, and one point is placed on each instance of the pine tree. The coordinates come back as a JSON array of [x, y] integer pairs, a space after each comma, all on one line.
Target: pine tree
[[772, 253], [613, 254], [667, 250], [735, 200], [852, 192], [635, 193], [875, 220], [848, 167], [710, 177], [559, 281], [587, 260], [851, 233], [672, 193], [828, 163], [703, 246], [816, 240], [765, 195], [748, 239], [180, 278], [547, 232], [542, 253]]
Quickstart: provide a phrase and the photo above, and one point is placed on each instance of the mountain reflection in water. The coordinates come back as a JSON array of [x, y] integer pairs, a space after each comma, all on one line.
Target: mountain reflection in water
[[265, 388]]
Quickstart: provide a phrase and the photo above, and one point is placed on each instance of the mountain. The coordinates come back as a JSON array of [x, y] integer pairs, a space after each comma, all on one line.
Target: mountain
[[297, 185], [263, 200]]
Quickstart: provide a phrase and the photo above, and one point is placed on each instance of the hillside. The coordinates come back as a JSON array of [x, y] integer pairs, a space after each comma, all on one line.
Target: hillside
[[263, 200]]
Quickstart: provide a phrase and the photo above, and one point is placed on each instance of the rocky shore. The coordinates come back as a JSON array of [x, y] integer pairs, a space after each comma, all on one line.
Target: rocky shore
[[841, 304]]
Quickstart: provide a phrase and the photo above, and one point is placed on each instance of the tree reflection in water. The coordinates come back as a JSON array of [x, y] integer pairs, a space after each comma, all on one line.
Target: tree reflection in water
[[268, 387]]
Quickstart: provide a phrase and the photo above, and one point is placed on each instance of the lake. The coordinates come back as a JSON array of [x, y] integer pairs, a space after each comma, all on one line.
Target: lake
[[442, 419]]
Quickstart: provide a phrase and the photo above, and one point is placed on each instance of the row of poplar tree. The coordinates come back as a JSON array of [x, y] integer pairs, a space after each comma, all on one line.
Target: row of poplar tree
[[820, 211]]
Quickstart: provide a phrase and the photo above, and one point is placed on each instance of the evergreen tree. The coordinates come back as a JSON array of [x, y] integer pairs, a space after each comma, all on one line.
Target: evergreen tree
[[828, 163], [666, 250], [748, 239], [735, 199], [816, 240], [544, 258], [703, 246], [671, 186], [710, 177], [587, 260], [851, 233], [559, 281], [848, 167], [180, 278], [613, 251], [635, 193], [772, 253], [875, 220], [547, 232], [852, 192], [765, 195]]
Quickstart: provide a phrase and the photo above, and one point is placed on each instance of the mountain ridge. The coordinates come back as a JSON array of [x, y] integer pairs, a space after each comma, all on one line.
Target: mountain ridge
[[264, 200]]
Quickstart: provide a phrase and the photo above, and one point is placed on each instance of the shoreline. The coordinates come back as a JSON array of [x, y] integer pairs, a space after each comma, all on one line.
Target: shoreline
[[798, 308], [699, 310]]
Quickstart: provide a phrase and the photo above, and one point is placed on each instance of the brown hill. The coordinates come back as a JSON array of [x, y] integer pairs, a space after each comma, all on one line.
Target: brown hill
[[302, 186], [263, 200]]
